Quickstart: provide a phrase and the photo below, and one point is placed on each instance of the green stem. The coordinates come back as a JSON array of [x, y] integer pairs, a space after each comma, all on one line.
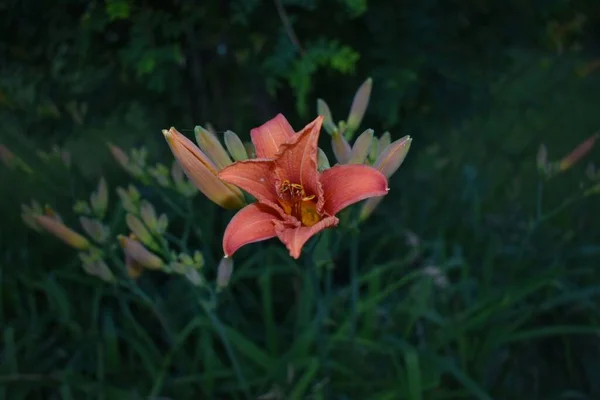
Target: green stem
[[354, 282], [227, 345]]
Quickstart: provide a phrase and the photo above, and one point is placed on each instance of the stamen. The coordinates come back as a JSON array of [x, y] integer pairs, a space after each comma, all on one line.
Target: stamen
[[295, 202]]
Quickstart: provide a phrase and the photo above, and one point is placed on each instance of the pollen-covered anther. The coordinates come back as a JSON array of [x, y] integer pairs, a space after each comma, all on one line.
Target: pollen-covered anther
[[295, 202]]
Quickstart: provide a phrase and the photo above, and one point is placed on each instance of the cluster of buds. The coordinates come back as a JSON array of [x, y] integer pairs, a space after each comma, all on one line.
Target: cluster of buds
[[380, 153], [550, 168], [146, 248], [92, 257], [135, 164], [147, 229], [202, 163]]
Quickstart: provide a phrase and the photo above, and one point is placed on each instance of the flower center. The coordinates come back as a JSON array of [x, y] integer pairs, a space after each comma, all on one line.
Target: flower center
[[295, 202]]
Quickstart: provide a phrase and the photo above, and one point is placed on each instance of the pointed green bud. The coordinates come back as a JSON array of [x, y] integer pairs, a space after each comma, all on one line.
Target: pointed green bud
[[94, 265], [128, 203], [198, 259], [148, 215], [235, 146], [323, 109], [94, 229], [224, 271], [138, 228], [250, 149], [210, 145], [359, 106], [119, 155], [99, 199], [361, 147], [193, 276], [392, 156], [323, 161], [135, 251], [162, 224], [82, 207], [369, 206], [384, 141], [161, 174], [341, 148]]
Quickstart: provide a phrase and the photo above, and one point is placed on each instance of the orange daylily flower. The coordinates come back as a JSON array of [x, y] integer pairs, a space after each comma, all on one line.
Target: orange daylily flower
[[294, 200]]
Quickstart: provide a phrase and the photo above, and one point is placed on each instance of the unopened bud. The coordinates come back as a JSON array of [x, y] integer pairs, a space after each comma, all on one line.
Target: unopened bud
[[323, 109], [393, 156], [235, 146], [341, 148], [359, 106], [210, 145], [361, 147], [224, 271]]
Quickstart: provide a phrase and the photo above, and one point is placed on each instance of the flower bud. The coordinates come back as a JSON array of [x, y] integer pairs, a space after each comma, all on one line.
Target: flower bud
[[224, 271], [392, 156], [138, 228], [55, 227], [94, 229], [341, 148], [361, 147], [202, 171], [322, 160], [578, 153], [323, 109], [210, 145], [139, 253], [99, 199], [235, 146], [359, 106]]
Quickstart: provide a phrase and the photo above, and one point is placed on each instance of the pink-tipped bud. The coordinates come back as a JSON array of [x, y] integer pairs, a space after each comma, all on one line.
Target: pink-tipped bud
[[578, 153], [140, 254], [341, 148], [361, 147], [392, 156], [99, 199], [359, 105], [210, 145], [224, 271], [323, 110], [202, 171], [56, 228]]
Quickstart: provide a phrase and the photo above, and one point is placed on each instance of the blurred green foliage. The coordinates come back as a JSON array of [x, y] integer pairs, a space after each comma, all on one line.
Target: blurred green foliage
[[477, 278]]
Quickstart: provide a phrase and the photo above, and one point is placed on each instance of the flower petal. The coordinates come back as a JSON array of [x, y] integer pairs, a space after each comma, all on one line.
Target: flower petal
[[344, 185], [269, 136], [202, 171], [252, 223], [296, 161], [294, 238]]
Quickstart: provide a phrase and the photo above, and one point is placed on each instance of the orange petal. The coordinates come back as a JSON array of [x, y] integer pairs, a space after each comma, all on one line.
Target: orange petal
[[294, 238], [269, 136], [297, 161], [344, 185], [255, 177], [252, 223], [202, 171]]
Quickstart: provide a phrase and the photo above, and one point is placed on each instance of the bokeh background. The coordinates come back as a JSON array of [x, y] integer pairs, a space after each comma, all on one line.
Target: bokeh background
[[479, 276]]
